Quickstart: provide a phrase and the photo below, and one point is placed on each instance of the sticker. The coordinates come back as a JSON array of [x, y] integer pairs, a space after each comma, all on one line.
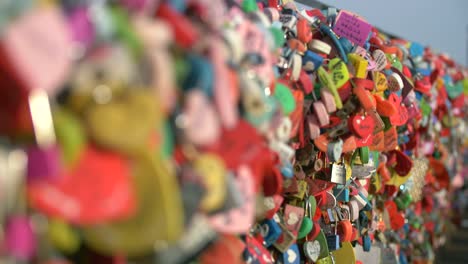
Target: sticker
[[352, 27]]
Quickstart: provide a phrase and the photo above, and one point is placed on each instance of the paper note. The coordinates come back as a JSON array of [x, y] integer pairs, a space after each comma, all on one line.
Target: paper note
[[352, 27]]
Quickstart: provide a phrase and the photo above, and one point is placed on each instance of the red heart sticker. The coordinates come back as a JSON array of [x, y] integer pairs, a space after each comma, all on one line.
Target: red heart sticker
[[401, 116], [362, 126], [98, 189]]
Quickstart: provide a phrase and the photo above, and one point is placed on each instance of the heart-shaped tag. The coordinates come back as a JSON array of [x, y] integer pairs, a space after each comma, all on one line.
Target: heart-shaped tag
[[385, 107], [362, 126], [403, 163], [84, 194], [312, 250], [401, 116]]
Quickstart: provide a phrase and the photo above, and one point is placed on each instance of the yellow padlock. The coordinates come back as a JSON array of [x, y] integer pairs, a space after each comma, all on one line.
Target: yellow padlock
[[359, 64], [339, 72], [380, 81]]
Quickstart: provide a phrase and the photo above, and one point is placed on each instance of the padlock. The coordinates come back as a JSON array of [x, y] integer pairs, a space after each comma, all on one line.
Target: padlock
[[286, 239], [292, 256], [338, 174], [339, 130], [335, 149], [270, 230], [311, 61]]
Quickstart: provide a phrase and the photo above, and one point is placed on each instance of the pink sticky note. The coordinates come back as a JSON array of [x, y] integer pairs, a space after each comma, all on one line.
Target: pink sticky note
[[38, 45], [352, 27]]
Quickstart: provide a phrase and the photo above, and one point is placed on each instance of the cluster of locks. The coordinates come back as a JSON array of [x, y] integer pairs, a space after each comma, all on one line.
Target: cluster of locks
[[172, 131]]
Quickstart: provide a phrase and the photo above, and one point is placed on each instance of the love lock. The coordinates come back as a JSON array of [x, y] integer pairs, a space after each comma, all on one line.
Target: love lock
[[339, 130]]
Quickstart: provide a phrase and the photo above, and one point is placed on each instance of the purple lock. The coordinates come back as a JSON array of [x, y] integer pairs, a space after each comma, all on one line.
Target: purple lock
[[43, 163], [82, 27], [20, 240]]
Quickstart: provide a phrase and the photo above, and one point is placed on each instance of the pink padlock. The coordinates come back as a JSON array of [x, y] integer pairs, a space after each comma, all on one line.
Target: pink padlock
[[328, 100], [321, 113], [313, 125], [43, 163], [20, 240]]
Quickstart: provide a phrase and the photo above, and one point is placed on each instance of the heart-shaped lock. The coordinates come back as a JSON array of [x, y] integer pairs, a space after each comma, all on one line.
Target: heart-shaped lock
[[81, 195], [385, 107], [339, 72], [401, 116], [362, 126], [159, 201], [403, 163], [312, 250], [380, 59]]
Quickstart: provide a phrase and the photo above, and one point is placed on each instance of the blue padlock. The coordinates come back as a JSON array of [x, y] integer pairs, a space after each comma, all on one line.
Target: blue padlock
[[292, 256], [311, 61], [200, 75], [287, 170], [333, 242], [366, 243], [271, 231], [341, 193]]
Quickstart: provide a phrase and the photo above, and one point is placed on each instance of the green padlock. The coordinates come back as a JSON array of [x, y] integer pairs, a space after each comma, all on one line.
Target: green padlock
[[305, 228], [285, 98], [339, 72]]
